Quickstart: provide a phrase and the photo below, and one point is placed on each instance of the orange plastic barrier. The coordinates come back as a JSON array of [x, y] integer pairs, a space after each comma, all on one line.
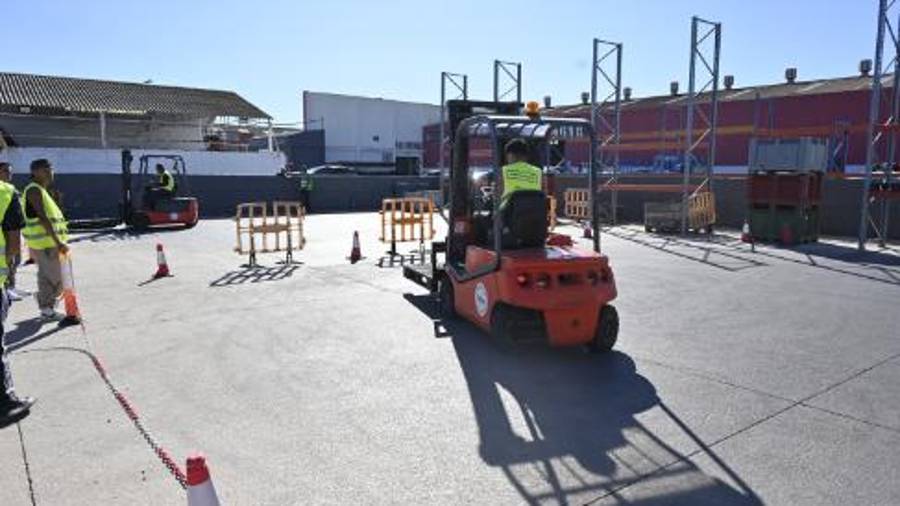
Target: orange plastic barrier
[[577, 204], [284, 226], [407, 219]]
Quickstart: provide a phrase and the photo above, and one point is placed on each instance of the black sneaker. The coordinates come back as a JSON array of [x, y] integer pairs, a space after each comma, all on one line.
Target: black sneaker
[[15, 409]]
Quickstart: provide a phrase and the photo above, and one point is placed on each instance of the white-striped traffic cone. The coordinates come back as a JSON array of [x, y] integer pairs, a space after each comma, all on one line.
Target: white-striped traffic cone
[[745, 232], [200, 490], [162, 267]]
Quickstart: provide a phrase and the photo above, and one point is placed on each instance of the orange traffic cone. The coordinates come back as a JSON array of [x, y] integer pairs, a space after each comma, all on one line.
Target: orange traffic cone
[[588, 231], [355, 253], [162, 267], [745, 232], [70, 301], [200, 490]]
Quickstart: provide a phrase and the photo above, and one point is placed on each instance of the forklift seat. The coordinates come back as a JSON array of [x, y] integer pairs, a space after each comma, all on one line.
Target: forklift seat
[[525, 220]]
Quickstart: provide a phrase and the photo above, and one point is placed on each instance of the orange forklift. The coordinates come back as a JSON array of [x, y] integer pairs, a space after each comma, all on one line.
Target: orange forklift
[[141, 213], [502, 270]]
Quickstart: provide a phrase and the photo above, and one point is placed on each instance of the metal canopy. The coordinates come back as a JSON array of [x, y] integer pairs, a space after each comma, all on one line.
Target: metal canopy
[[526, 128]]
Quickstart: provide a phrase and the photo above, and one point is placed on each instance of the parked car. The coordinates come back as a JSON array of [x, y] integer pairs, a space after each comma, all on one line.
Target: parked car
[[431, 173], [331, 170]]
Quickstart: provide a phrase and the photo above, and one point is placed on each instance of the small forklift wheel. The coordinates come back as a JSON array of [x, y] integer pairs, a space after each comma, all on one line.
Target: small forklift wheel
[[607, 330], [445, 299], [140, 221], [500, 324]]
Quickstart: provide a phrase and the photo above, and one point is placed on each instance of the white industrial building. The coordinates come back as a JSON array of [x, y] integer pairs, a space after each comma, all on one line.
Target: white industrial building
[[366, 131]]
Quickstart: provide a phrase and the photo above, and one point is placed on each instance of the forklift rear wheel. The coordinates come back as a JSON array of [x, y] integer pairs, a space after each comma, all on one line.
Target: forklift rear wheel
[[445, 297], [141, 221], [607, 330], [500, 324]]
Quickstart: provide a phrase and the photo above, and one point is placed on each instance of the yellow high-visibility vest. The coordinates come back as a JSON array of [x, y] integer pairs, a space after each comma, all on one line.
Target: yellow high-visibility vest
[[519, 176], [36, 236], [6, 194], [166, 181]]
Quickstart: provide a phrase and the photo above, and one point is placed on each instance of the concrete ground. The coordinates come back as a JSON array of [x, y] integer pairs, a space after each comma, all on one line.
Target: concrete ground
[[739, 378]]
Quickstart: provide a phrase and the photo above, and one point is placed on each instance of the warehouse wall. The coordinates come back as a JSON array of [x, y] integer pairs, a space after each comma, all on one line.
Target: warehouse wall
[[109, 161], [99, 195], [840, 202], [368, 130], [91, 196]]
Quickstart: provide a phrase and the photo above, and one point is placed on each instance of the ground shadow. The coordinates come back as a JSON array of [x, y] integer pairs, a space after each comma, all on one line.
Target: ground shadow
[[118, 234], [399, 260], [705, 253], [256, 274], [27, 332], [562, 426], [877, 266]]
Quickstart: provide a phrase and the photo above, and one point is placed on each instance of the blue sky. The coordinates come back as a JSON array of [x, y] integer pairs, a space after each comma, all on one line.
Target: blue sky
[[269, 51]]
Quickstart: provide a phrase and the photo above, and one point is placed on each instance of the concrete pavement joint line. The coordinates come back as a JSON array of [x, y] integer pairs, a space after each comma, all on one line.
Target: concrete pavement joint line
[[851, 417], [689, 455], [27, 466], [849, 378], [160, 452], [702, 375]]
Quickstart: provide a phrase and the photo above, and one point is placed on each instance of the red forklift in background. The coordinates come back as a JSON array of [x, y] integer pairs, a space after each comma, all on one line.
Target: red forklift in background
[[501, 269], [140, 212]]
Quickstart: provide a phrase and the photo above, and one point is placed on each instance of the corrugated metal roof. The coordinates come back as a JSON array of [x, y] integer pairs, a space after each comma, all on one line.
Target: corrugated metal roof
[[73, 95], [799, 88]]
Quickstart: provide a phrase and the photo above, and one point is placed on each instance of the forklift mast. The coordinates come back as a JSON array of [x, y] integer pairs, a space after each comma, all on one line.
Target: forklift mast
[[126, 210]]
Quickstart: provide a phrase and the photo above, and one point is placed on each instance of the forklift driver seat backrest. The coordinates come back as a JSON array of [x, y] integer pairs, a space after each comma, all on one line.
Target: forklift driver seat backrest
[[525, 220]]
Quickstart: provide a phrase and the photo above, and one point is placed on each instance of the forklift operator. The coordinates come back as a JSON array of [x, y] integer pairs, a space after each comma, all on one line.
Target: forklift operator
[[518, 174], [163, 189]]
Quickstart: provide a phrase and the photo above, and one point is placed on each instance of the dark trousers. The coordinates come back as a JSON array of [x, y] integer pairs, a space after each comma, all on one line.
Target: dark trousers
[[6, 389], [152, 196], [304, 199]]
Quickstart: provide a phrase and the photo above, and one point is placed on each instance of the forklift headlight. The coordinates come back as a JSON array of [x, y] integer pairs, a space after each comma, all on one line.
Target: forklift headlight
[[542, 281], [523, 280]]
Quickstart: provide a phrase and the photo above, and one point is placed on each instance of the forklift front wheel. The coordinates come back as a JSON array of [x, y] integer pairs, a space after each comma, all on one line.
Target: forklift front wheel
[[607, 330], [445, 299]]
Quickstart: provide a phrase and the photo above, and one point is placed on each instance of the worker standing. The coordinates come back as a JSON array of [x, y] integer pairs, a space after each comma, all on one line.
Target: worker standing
[[306, 188], [46, 234], [15, 257], [518, 174], [12, 407]]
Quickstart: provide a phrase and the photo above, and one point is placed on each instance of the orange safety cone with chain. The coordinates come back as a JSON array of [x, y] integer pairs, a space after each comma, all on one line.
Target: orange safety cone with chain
[[200, 490], [355, 253], [70, 300], [162, 267], [588, 231], [745, 232]]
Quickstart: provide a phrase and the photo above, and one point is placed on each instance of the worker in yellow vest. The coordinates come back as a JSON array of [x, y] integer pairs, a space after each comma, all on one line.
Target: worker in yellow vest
[[518, 174], [12, 407], [166, 181], [164, 188], [6, 172], [46, 234]]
